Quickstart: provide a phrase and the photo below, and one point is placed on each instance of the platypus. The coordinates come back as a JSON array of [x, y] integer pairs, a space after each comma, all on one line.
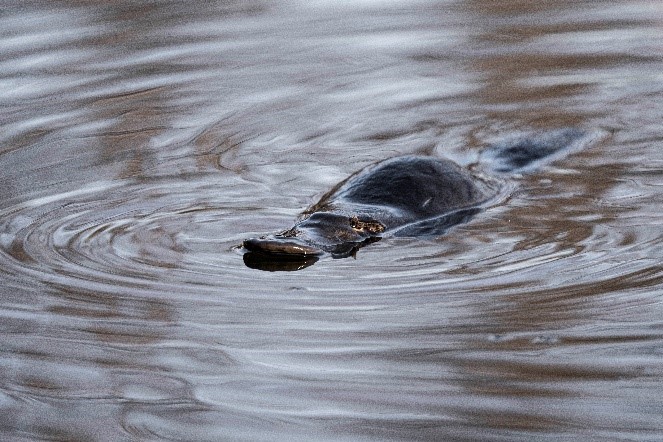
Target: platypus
[[401, 196]]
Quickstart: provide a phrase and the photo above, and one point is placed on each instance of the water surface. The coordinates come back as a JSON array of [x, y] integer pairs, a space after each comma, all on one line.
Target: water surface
[[141, 142]]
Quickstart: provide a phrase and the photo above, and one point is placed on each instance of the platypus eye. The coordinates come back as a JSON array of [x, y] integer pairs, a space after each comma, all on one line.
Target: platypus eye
[[369, 226], [290, 233]]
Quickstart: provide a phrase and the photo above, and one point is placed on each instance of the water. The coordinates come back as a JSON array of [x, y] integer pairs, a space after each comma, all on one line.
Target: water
[[140, 142]]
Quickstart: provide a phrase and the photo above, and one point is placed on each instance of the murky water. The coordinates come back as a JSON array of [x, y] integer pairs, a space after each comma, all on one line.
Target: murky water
[[140, 142]]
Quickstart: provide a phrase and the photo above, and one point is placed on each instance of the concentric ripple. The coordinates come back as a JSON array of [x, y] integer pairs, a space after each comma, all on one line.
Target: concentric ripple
[[116, 234], [167, 235]]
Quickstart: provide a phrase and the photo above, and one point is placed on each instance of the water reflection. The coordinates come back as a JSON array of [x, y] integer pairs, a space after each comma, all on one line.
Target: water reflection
[[261, 261]]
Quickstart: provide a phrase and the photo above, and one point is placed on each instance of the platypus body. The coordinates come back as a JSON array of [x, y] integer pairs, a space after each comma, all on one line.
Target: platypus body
[[401, 196]]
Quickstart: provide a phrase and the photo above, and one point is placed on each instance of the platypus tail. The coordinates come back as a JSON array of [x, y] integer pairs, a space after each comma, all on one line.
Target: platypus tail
[[525, 152]]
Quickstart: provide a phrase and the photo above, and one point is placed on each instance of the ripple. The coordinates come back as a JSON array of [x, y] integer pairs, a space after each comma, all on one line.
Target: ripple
[[169, 236], [120, 235]]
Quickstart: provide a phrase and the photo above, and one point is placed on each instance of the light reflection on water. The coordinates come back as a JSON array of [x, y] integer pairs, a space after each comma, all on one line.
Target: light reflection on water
[[142, 142]]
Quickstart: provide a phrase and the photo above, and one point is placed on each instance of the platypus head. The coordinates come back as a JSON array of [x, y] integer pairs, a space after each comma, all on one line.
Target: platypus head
[[318, 234]]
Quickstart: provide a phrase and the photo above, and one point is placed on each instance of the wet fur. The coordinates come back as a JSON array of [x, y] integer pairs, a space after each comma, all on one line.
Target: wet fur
[[405, 196]]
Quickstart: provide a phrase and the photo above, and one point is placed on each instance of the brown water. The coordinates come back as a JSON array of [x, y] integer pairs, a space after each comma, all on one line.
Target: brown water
[[141, 142]]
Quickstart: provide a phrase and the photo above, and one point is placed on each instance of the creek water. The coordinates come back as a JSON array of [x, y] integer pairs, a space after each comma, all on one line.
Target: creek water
[[141, 142]]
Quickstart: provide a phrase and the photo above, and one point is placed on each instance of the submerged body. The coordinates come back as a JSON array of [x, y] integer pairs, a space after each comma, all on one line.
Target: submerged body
[[383, 199], [401, 196]]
